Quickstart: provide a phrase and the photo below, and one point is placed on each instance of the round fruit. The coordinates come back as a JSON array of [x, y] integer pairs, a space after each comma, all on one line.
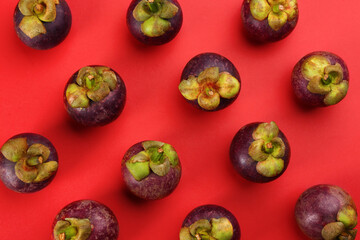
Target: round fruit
[[210, 222], [210, 82], [326, 212], [320, 79], [85, 220], [95, 95], [260, 152], [151, 169], [154, 22], [42, 24], [28, 162], [269, 20]]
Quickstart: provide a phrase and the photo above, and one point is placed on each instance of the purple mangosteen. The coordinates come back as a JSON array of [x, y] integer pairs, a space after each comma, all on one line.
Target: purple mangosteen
[[95, 95], [154, 22], [28, 162], [85, 220], [42, 24], [260, 152], [151, 169], [269, 20], [320, 79], [210, 222], [326, 212], [210, 82]]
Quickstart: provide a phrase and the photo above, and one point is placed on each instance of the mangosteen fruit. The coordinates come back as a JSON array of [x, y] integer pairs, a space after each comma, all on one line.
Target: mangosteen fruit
[[28, 162], [42, 24], [154, 22], [210, 222], [210, 82], [260, 152], [85, 220], [269, 20], [151, 169], [320, 79], [326, 212], [95, 95]]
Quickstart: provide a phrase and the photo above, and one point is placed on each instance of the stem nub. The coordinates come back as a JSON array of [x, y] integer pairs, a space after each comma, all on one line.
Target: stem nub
[[39, 8], [153, 6]]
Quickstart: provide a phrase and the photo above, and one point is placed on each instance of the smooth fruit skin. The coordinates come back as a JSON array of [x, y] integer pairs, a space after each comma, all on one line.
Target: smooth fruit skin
[[318, 206], [135, 26], [7, 170], [241, 160], [212, 211], [260, 31], [153, 186], [205, 60], [56, 31], [103, 220], [299, 83], [102, 112]]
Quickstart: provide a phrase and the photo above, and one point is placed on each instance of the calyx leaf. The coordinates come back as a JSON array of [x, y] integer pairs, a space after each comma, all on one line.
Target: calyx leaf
[[348, 216], [271, 167], [331, 230], [155, 26], [32, 26], [190, 88], [14, 149]]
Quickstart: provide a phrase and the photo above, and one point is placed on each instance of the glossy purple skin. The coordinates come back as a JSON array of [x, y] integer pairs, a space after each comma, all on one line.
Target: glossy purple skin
[[102, 112], [153, 186], [103, 220], [299, 83], [135, 26], [7, 168], [205, 60], [241, 159], [318, 206], [212, 211], [260, 31], [56, 31]]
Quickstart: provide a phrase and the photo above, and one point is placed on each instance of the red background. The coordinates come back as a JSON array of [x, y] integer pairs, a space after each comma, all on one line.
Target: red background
[[324, 141]]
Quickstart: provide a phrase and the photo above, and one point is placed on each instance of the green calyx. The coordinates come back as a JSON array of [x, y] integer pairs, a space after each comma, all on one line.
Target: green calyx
[[278, 12], [325, 79], [203, 229], [92, 84], [72, 229], [343, 228], [267, 149], [157, 157], [154, 15], [31, 162], [36, 12], [209, 86]]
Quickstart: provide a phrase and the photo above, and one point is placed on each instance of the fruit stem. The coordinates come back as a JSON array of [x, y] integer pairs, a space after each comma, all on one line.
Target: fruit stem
[[326, 80], [278, 8], [153, 6], [35, 161], [268, 147], [39, 8]]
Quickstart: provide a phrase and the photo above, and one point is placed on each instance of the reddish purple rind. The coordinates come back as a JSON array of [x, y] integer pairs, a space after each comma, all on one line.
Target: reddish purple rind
[[104, 223], [153, 186], [102, 112], [299, 83], [7, 168], [318, 206], [260, 31], [56, 31], [212, 211], [135, 26], [241, 160], [205, 60]]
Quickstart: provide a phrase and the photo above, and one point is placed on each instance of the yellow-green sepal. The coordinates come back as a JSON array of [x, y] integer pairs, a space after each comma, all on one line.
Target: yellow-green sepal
[[228, 85], [14, 149], [271, 167], [259, 9], [32, 26], [155, 26]]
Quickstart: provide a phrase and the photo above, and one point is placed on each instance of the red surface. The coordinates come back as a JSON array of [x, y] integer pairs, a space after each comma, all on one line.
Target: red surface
[[324, 141]]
